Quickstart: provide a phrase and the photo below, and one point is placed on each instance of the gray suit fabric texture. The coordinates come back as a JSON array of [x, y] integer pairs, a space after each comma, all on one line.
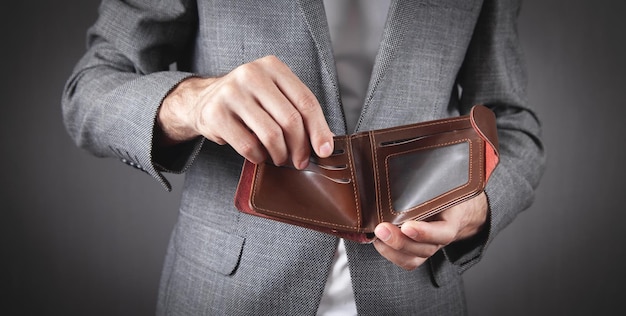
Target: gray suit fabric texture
[[437, 58]]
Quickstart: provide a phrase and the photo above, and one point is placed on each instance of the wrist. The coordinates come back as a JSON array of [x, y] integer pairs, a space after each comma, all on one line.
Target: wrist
[[173, 125], [476, 217]]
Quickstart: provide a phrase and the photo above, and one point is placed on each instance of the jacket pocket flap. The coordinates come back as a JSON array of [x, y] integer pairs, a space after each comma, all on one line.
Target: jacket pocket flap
[[209, 247]]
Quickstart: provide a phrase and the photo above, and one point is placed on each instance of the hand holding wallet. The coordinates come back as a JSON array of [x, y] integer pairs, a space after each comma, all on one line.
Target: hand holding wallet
[[394, 175]]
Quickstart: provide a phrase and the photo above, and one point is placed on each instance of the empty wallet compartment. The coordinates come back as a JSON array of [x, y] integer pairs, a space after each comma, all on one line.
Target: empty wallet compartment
[[391, 175]]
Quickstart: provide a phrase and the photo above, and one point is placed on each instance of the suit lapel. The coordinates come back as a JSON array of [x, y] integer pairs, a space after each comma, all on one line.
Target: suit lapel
[[404, 16], [315, 17], [399, 20]]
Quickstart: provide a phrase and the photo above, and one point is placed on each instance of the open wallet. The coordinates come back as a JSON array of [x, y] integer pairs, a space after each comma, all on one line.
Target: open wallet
[[398, 174]]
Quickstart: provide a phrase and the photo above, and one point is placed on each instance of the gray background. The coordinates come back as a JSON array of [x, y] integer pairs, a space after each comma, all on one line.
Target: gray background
[[86, 236]]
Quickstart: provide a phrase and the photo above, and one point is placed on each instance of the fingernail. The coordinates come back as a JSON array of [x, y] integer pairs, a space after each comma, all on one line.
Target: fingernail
[[326, 149], [382, 233]]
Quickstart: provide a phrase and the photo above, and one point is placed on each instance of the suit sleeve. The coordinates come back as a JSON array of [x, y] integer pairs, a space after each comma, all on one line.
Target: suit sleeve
[[112, 97], [494, 74]]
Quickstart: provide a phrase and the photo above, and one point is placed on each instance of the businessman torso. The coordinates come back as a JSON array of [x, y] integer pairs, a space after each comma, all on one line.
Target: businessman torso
[[222, 261]]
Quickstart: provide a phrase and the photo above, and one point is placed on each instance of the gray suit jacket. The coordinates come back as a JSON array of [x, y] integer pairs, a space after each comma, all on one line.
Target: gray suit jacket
[[437, 59]]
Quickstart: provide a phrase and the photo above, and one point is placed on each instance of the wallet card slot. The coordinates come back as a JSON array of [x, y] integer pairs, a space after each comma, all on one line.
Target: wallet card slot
[[339, 156], [337, 180], [422, 131], [331, 162], [332, 173], [409, 140], [333, 168], [338, 152], [401, 141]]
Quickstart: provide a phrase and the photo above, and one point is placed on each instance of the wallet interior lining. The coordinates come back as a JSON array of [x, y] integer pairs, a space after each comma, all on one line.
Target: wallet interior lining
[[419, 176]]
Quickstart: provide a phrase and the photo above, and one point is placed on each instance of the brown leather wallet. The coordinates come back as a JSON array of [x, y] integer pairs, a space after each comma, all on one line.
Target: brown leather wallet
[[391, 175]]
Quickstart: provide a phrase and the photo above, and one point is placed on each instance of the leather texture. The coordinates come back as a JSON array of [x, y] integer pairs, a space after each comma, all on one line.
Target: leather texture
[[391, 175]]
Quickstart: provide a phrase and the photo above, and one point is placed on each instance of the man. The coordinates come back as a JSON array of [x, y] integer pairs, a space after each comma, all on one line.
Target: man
[[194, 86]]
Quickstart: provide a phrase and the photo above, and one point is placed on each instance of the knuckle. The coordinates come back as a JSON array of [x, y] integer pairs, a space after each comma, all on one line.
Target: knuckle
[[246, 72], [307, 103], [227, 91], [271, 135], [273, 140], [248, 150], [293, 120], [203, 121], [211, 114], [270, 60]]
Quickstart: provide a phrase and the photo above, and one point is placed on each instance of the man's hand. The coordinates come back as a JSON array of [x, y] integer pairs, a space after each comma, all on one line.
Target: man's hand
[[412, 244], [260, 108]]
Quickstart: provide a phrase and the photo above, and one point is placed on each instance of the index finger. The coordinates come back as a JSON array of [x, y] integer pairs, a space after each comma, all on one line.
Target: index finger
[[307, 105]]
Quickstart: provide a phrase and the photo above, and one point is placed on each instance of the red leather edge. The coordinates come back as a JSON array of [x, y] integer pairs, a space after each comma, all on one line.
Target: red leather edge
[[483, 121], [244, 188]]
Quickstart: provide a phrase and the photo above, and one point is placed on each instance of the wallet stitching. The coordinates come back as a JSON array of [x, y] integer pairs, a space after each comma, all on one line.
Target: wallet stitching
[[306, 219], [254, 190], [420, 125], [354, 186], [423, 148], [379, 203], [481, 169]]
